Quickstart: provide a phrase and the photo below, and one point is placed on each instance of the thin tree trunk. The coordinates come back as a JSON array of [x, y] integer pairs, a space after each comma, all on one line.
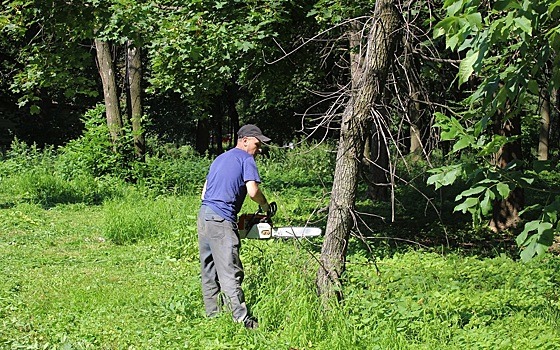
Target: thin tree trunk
[[107, 73], [232, 97], [544, 131], [355, 129], [378, 161], [416, 148], [134, 73], [217, 121]]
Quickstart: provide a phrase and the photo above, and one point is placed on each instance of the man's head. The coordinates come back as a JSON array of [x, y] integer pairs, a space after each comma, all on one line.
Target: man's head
[[251, 130], [250, 138]]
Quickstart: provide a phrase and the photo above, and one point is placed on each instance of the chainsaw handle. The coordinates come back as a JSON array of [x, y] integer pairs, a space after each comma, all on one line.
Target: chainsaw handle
[[272, 208]]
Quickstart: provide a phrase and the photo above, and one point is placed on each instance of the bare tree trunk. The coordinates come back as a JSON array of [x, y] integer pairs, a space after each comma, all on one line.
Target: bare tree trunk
[[355, 129], [233, 115], [545, 126], [134, 75], [217, 121], [505, 213], [107, 73], [416, 149], [376, 158]]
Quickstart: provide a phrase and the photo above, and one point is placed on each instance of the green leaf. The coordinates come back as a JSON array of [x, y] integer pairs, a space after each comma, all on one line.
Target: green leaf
[[530, 226], [452, 41], [502, 5], [538, 243], [475, 19], [468, 203], [533, 87], [466, 68], [503, 189], [444, 26], [486, 203], [34, 109], [454, 8], [469, 192], [444, 176], [524, 24], [463, 142]]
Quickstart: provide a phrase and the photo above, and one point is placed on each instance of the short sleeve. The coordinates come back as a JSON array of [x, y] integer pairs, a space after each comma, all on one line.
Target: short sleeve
[[250, 171]]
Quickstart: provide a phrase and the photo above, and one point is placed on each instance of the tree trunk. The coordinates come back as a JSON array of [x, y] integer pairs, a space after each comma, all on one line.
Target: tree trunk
[[378, 161], [202, 136], [217, 121], [233, 115], [413, 82], [355, 129], [416, 148], [376, 158], [505, 213], [134, 75], [545, 126], [107, 73], [134, 66]]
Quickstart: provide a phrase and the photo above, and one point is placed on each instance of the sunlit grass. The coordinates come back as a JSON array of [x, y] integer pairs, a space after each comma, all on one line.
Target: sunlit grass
[[67, 285]]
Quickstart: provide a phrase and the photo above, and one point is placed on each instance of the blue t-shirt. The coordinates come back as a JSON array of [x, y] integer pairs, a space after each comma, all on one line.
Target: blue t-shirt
[[225, 183]]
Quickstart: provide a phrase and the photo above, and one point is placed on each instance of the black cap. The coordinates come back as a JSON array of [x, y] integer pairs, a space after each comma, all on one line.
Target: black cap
[[251, 130]]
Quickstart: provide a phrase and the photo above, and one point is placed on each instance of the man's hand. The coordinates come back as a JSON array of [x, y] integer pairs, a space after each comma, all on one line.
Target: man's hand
[[264, 207], [269, 209]]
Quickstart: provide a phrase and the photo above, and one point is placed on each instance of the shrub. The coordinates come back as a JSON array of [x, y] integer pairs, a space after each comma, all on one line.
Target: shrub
[[93, 153], [307, 165], [173, 170]]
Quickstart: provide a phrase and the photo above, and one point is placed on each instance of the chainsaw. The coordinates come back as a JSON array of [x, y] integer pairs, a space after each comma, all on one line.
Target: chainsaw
[[259, 226]]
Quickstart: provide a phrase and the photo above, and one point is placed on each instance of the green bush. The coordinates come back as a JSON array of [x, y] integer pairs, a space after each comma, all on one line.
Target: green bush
[[306, 165], [173, 170], [93, 153]]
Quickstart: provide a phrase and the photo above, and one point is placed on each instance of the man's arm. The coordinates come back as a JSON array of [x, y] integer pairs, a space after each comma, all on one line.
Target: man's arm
[[203, 190], [256, 195]]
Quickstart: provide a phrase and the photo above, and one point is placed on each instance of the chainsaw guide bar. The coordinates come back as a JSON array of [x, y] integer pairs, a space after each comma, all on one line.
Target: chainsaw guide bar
[[260, 227]]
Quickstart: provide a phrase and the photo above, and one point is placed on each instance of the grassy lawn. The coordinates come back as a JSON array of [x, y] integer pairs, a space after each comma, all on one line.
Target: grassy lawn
[[66, 285]]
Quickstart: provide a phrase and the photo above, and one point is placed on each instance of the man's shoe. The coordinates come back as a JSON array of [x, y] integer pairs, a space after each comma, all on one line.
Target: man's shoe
[[251, 323]]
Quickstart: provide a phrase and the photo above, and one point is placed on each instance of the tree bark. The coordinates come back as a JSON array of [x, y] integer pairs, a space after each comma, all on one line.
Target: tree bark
[[505, 213], [232, 98], [107, 73], [544, 131], [202, 136], [414, 113], [355, 129], [134, 75], [376, 158]]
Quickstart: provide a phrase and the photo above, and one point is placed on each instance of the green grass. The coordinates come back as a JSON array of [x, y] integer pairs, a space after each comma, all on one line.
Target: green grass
[[67, 285], [98, 263]]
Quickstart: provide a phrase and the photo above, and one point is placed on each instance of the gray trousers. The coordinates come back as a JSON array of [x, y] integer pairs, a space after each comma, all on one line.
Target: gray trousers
[[220, 267]]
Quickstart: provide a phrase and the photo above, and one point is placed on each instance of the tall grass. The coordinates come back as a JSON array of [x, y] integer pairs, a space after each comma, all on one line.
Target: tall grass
[[120, 270]]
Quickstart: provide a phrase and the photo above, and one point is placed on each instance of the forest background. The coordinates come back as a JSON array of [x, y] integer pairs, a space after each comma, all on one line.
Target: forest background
[[422, 137]]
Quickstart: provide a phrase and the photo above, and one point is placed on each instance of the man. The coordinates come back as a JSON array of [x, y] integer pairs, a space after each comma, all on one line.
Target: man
[[232, 176]]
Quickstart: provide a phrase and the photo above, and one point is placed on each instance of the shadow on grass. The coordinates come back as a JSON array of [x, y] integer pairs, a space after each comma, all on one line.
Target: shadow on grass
[[425, 220]]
